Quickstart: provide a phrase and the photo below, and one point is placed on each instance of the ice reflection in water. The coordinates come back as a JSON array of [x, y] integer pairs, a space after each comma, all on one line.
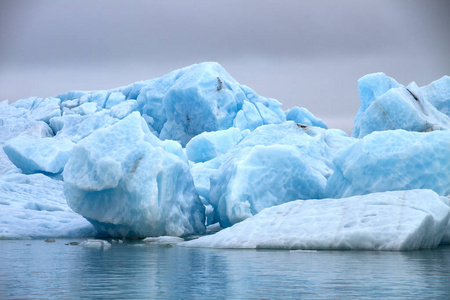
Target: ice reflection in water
[[135, 270]]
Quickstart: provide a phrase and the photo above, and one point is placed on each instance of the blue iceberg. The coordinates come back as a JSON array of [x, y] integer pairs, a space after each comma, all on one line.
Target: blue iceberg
[[387, 105], [167, 156], [123, 181], [272, 165], [401, 220], [393, 160]]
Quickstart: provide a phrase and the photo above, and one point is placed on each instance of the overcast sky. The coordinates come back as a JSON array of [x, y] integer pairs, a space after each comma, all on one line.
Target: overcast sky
[[304, 53]]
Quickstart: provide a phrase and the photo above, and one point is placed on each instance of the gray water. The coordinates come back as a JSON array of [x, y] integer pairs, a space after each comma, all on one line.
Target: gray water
[[134, 270]]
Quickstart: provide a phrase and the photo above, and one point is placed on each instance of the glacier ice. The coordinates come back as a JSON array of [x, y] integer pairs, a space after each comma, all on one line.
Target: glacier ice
[[184, 103], [400, 220], [84, 109], [114, 99], [123, 109], [44, 109], [393, 160], [438, 94], [155, 157], [386, 105], [303, 116], [19, 128], [122, 180], [272, 165], [205, 97], [372, 86], [34, 206], [46, 155], [209, 145], [76, 127]]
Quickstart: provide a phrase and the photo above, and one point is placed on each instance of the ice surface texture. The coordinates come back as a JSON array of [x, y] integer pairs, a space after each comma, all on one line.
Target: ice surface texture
[[401, 220], [387, 105], [123, 181], [393, 160], [272, 165], [126, 171], [184, 103], [46, 155], [33, 206]]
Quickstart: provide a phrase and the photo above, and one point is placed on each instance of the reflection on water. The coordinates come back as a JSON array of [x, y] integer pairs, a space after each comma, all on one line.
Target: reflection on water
[[135, 270]]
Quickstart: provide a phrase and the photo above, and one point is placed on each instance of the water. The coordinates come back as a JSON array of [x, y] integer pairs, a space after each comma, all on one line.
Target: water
[[133, 270]]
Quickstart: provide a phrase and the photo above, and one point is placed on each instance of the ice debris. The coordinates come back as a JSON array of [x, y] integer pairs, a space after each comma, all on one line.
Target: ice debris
[[47, 155], [303, 116], [400, 220], [393, 160], [123, 181], [95, 243], [163, 240], [209, 145], [387, 105], [272, 165]]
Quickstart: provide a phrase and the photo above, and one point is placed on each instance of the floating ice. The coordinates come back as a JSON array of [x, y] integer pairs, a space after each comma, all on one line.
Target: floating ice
[[401, 220], [44, 109], [272, 165], [393, 160], [209, 145], [19, 127], [84, 109], [9, 111], [205, 97], [123, 109], [34, 206], [438, 94], [122, 180], [385, 105], [94, 243], [184, 103], [131, 175], [305, 117], [76, 127], [163, 240], [114, 99], [46, 155]]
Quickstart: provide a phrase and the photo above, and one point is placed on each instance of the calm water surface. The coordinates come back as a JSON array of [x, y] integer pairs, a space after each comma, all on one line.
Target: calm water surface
[[133, 270]]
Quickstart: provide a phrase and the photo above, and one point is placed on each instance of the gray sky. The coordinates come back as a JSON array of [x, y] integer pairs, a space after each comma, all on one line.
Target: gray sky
[[304, 53]]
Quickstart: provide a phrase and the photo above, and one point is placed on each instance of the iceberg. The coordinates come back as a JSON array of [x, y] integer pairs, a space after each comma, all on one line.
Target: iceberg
[[95, 243], [76, 127], [303, 116], [157, 157], [44, 109], [46, 155], [386, 105], [205, 97], [392, 160], [400, 220], [272, 165], [122, 180], [438, 94], [163, 240], [183, 103], [12, 127], [34, 206], [209, 145]]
